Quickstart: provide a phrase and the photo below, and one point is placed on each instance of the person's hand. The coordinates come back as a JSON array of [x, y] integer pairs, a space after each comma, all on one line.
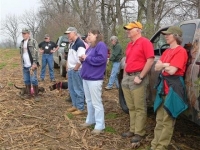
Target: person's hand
[[82, 57], [34, 66], [41, 51], [52, 51], [107, 61], [159, 65], [137, 80]]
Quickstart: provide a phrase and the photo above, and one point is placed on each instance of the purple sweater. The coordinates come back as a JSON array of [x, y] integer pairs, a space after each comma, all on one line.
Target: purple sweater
[[94, 66]]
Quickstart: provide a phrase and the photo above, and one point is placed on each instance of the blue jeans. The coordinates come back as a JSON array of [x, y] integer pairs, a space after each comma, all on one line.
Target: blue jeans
[[75, 86], [113, 77], [47, 59], [95, 109], [28, 78]]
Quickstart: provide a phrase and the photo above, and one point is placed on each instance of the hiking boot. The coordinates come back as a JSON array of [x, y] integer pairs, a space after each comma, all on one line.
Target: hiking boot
[[37, 97], [108, 88], [96, 132], [127, 134], [78, 112], [136, 138], [28, 92], [86, 125], [72, 109]]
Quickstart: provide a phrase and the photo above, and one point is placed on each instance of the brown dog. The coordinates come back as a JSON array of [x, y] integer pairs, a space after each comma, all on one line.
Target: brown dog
[[59, 86]]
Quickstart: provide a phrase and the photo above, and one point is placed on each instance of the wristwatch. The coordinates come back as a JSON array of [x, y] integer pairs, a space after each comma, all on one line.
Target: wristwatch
[[140, 77]]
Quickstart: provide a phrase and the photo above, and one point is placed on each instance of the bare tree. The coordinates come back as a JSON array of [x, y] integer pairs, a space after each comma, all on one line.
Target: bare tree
[[10, 28], [31, 20]]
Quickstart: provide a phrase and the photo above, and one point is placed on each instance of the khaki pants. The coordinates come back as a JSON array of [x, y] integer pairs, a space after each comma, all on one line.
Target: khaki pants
[[163, 131], [135, 96]]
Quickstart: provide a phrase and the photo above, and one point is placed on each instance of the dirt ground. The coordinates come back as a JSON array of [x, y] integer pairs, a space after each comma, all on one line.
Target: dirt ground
[[46, 125]]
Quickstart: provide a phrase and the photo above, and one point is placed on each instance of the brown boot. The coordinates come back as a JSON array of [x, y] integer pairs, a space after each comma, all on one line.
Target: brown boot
[[72, 109], [78, 112], [27, 93], [37, 97]]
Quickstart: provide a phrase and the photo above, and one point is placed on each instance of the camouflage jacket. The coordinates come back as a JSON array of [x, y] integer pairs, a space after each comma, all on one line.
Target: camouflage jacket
[[32, 47]]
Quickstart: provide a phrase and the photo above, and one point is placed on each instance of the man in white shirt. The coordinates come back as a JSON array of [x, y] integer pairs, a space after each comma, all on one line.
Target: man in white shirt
[[29, 59], [75, 83]]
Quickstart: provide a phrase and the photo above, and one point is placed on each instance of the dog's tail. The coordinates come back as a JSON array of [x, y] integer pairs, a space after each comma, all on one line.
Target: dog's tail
[[17, 87]]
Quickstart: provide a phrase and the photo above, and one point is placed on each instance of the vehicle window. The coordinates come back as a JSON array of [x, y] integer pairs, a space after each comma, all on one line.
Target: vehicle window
[[159, 43], [188, 34], [64, 41]]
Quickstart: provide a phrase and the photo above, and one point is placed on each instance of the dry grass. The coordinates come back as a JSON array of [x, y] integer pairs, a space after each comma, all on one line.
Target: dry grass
[[45, 125]]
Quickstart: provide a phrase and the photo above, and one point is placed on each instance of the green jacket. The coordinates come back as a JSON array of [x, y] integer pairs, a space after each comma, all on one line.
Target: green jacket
[[32, 47], [116, 54], [176, 100]]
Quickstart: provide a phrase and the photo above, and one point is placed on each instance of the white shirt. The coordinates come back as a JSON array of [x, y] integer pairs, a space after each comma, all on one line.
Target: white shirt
[[73, 56], [27, 61]]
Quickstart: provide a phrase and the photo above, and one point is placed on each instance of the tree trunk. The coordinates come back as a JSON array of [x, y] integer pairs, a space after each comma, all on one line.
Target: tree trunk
[[150, 18], [119, 13], [103, 20], [198, 7]]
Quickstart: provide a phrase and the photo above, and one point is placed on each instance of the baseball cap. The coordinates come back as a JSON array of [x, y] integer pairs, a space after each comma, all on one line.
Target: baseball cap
[[71, 29], [46, 36], [173, 30], [134, 24], [25, 30]]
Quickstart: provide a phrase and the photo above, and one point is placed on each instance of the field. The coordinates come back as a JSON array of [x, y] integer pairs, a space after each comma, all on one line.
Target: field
[[46, 125]]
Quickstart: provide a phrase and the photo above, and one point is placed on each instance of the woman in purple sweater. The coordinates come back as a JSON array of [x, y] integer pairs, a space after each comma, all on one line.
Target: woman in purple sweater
[[92, 73]]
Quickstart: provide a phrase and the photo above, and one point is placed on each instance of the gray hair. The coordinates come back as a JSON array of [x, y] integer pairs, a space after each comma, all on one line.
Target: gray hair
[[114, 38]]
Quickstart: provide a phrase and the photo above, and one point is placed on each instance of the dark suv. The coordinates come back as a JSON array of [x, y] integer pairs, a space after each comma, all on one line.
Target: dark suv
[[191, 42], [60, 56]]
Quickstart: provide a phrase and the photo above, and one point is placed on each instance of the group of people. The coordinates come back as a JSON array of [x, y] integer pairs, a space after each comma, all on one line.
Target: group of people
[[85, 71], [170, 99]]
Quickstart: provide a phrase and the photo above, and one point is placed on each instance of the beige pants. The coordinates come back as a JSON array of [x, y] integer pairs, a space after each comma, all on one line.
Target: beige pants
[[135, 96], [163, 131]]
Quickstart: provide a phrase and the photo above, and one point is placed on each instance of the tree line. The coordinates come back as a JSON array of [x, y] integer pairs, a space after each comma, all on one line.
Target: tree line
[[55, 16]]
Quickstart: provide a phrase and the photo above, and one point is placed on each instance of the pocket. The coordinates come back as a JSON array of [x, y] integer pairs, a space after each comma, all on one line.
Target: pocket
[[124, 82]]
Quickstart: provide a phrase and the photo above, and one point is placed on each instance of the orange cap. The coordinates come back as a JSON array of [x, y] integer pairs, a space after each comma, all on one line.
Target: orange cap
[[132, 25]]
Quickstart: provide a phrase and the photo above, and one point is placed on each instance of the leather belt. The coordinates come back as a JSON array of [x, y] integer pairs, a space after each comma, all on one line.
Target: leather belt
[[132, 73]]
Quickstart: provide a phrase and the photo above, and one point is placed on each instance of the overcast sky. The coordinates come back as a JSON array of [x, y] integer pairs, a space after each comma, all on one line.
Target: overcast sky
[[17, 7]]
